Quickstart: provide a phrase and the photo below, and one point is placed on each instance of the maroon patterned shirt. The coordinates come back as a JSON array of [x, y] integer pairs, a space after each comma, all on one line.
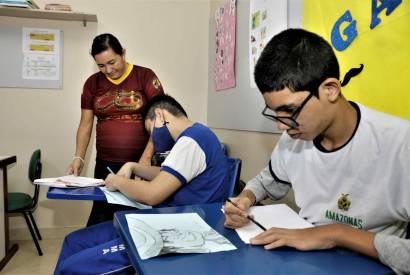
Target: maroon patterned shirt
[[120, 131]]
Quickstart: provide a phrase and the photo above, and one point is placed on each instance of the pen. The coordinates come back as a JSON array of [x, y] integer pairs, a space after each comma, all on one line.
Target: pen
[[248, 217], [109, 169]]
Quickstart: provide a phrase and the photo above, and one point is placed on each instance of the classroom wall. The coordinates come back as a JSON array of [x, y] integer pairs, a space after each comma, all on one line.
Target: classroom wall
[[254, 148], [169, 36]]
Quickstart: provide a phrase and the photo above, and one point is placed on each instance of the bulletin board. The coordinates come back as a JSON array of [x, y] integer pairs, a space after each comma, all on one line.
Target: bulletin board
[[240, 107], [13, 58]]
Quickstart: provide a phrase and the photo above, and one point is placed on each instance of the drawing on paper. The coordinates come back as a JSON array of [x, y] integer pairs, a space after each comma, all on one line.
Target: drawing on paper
[[152, 238]]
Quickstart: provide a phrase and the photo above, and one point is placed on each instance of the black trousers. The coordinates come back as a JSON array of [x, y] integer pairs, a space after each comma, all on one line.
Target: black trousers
[[103, 211]]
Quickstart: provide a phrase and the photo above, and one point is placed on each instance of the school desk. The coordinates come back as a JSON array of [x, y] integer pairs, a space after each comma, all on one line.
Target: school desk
[[6, 250], [84, 193], [247, 259]]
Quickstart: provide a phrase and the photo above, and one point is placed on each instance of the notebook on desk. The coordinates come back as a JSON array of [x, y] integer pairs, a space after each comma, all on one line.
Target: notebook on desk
[[273, 215]]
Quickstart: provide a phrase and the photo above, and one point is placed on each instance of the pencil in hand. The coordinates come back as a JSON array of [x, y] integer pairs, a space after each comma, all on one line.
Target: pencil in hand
[[247, 216], [109, 170]]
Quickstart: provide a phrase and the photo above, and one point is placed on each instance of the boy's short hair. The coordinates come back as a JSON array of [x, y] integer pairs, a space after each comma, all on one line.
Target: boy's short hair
[[165, 102], [295, 59]]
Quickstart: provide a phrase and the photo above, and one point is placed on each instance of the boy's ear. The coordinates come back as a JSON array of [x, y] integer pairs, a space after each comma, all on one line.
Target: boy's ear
[[159, 114], [331, 87]]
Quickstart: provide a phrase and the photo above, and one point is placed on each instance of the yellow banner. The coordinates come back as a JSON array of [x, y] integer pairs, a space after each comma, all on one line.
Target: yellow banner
[[370, 37]]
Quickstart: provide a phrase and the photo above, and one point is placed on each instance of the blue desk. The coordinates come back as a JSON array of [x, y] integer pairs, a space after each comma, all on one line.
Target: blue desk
[[247, 259], [85, 193]]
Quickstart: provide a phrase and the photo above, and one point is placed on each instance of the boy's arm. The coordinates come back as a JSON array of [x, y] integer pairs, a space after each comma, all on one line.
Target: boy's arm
[[393, 251], [139, 170], [148, 192], [146, 156], [320, 237]]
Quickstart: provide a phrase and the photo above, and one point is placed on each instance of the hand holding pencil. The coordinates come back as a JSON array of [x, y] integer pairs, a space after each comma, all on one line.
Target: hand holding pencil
[[248, 216], [236, 212]]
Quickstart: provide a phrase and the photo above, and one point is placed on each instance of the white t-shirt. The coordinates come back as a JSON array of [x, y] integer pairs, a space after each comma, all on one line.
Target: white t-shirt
[[365, 183]]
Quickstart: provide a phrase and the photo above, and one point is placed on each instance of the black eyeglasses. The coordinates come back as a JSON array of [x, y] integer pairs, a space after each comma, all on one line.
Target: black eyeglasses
[[289, 121]]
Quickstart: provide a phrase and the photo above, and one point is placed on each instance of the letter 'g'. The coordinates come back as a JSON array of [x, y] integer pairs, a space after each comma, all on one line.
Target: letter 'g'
[[350, 31]]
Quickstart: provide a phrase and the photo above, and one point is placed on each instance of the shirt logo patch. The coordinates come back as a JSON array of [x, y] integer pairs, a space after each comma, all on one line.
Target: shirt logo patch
[[343, 203], [156, 83]]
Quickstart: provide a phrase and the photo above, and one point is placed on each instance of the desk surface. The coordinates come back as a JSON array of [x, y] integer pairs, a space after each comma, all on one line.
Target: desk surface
[[84, 193], [247, 259], [6, 160]]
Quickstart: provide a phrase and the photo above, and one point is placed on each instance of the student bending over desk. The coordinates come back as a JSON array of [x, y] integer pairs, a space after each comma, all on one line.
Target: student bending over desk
[[348, 164], [195, 171]]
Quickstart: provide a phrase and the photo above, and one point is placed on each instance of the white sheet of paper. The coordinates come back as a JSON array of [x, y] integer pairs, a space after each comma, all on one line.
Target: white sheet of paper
[[119, 198], [69, 181], [274, 215], [80, 181], [157, 234], [52, 182]]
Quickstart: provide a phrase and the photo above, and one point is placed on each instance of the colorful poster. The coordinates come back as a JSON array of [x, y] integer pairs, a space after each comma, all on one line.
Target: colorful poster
[[224, 69], [375, 34], [266, 18]]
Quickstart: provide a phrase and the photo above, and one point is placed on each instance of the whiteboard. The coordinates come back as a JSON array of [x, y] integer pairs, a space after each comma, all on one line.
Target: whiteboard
[[240, 108], [11, 54]]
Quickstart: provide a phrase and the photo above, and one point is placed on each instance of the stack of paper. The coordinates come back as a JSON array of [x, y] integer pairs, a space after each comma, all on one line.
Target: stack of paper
[[19, 3], [57, 7], [70, 181], [274, 215]]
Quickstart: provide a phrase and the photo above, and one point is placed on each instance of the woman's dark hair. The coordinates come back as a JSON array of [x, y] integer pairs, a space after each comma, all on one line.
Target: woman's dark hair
[[295, 59], [165, 102], [105, 41]]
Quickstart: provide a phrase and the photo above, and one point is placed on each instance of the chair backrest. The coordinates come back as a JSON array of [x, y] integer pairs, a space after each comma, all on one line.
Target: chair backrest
[[224, 148], [34, 172], [234, 174]]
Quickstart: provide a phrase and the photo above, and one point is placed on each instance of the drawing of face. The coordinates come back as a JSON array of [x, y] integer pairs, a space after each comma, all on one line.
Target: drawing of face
[[181, 238]]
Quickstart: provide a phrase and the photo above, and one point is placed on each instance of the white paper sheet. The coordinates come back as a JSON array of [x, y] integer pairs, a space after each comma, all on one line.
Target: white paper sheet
[[157, 234], [69, 181], [119, 198], [275, 215]]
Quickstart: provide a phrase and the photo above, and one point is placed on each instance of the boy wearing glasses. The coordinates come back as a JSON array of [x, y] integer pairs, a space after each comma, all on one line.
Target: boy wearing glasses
[[348, 164]]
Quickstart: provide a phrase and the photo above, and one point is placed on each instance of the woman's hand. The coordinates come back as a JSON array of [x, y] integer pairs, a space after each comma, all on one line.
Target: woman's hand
[[75, 167]]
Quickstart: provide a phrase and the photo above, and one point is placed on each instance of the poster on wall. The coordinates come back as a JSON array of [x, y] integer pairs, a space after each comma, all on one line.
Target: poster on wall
[[224, 68], [375, 34], [41, 57], [266, 18]]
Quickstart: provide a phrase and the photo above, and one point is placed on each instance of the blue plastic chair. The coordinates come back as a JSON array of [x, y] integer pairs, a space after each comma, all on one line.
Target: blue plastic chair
[[234, 168], [224, 148]]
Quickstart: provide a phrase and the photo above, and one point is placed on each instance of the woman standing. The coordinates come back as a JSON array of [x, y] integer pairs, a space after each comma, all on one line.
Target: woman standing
[[117, 96]]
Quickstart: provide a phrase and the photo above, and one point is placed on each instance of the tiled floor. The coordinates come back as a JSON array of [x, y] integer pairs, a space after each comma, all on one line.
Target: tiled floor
[[26, 260]]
